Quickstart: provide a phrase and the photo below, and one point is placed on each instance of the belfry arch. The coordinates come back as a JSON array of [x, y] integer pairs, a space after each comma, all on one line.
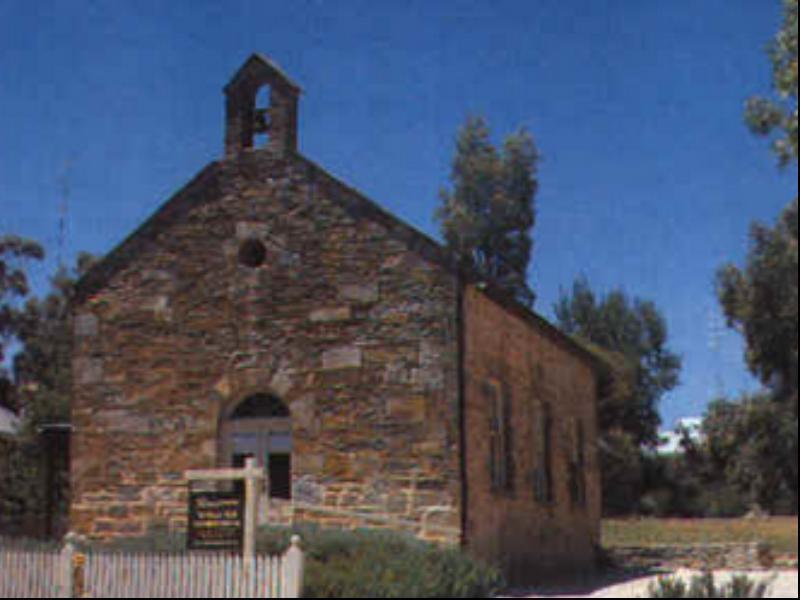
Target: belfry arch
[[260, 426]]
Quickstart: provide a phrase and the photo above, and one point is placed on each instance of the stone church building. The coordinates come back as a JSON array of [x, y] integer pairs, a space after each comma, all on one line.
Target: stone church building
[[270, 310]]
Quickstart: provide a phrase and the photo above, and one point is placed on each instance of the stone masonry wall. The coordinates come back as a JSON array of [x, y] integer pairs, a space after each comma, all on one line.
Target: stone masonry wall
[[530, 538], [735, 557], [352, 329]]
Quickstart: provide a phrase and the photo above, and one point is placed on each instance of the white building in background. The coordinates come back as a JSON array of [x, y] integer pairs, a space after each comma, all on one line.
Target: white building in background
[[671, 440], [9, 422]]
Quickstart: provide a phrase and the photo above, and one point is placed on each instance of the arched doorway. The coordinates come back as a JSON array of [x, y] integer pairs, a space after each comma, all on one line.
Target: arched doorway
[[261, 427]]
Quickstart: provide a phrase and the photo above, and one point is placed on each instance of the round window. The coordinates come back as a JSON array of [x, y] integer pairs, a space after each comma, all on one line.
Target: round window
[[252, 253]]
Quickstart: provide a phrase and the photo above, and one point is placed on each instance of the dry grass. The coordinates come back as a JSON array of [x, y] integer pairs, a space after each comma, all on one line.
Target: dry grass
[[780, 532]]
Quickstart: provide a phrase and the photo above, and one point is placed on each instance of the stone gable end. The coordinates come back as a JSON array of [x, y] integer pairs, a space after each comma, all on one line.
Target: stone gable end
[[354, 331]]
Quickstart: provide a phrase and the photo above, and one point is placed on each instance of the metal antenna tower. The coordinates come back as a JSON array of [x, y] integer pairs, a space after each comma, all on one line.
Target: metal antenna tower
[[63, 210], [716, 332]]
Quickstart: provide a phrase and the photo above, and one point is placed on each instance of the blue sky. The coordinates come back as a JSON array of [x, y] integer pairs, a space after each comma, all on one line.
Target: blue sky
[[649, 179]]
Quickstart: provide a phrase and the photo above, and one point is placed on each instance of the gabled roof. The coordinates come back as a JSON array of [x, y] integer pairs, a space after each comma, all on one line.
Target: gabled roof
[[509, 302], [189, 196], [205, 187], [258, 64]]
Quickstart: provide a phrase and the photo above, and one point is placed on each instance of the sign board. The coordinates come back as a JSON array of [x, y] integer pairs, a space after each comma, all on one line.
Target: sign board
[[216, 521]]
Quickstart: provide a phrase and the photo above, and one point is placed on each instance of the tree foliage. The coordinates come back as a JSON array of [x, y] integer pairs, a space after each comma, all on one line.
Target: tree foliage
[[42, 389], [22, 498], [751, 446], [487, 218], [14, 251], [42, 369], [778, 116], [622, 472], [761, 302], [632, 335]]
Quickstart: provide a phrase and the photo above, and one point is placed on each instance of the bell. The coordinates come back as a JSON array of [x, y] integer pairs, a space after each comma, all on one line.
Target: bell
[[261, 121]]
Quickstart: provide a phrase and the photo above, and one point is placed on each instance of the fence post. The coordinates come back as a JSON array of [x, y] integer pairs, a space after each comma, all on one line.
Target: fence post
[[251, 499], [292, 566], [67, 574]]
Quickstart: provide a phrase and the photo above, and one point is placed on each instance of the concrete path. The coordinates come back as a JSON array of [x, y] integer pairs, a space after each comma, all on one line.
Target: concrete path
[[784, 585]]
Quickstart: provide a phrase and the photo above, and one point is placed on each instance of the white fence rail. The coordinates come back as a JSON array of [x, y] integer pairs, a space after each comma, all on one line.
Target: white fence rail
[[32, 573]]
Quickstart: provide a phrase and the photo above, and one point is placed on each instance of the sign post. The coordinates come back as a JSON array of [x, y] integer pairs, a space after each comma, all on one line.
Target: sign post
[[215, 518]]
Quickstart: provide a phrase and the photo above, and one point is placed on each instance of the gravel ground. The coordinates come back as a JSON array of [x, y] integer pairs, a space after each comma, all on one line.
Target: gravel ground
[[784, 585]]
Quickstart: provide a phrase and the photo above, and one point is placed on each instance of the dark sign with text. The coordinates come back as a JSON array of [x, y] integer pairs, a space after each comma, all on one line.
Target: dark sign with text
[[216, 521]]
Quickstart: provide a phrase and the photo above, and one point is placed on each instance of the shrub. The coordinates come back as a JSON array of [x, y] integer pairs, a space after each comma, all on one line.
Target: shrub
[[382, 564], [22, 498], [704, 586]]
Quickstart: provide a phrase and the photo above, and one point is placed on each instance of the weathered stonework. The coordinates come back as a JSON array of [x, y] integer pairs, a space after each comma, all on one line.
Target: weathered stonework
[[362, 367], [342, 358], [354, 320]]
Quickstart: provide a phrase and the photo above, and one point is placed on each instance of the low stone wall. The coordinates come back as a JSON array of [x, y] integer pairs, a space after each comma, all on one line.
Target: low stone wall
[[786, 561], [408, 509], [739, 557]]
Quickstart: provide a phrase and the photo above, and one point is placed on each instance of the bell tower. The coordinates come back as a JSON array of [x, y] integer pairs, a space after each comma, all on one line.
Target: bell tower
[[247, 122]]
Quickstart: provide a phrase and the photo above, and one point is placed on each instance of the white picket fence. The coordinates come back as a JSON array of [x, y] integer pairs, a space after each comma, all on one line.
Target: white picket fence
[[112, 575], [27, 573]]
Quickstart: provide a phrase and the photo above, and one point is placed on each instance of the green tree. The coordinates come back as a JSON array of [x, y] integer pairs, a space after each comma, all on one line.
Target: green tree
[[778, 116], [622, 469], [487, 218], [761, 302], [14, 251], [42, 382], [42, 368], [631, 338], [632, 334], [751, 446], [19, 483]]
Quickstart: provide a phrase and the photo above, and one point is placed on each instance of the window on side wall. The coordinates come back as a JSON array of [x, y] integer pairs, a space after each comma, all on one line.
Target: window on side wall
[[543, 472], [500, 449], [577, 465]]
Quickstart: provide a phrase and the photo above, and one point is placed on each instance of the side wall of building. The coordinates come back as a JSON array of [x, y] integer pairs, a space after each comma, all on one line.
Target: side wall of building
[[516, 374], [354, 331]]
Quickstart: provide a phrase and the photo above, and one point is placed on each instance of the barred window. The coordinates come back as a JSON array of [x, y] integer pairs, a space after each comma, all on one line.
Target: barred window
[[577, 466], [500, 451], [543, 472]]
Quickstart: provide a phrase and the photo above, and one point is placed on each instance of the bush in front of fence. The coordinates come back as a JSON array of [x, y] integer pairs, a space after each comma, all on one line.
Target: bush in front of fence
[[382, 564]]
